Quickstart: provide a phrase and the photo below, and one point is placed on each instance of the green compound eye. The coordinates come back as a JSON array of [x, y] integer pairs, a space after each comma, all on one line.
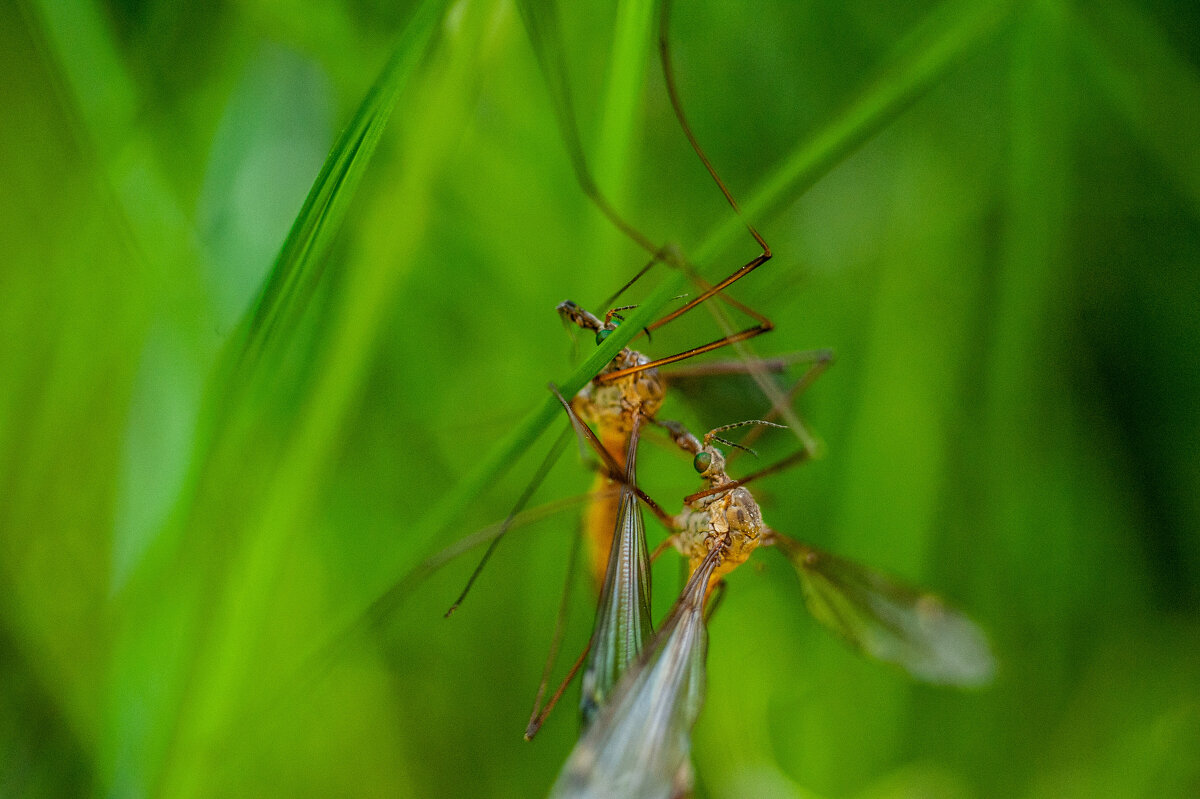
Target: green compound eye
[[702, 461], [603, 333]]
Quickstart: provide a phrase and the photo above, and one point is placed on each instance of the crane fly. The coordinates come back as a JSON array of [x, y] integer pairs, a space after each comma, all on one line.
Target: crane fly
[[628, 390], [631, 383], [639, 744], [628, 387], [613, 523], [879, 615]]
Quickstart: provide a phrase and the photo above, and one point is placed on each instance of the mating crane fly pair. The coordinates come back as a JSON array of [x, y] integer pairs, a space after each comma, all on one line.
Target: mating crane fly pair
[[641, 695], [642, 691]]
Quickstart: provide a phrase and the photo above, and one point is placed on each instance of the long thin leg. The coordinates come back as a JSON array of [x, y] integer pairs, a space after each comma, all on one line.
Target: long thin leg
[[544, 469], [615, 471], [667, 254], [541, 21], [666, 544], [822, 360], [690, 353], [539, 715], [774, 364], [664, 50], [560, 628], [764, 324]]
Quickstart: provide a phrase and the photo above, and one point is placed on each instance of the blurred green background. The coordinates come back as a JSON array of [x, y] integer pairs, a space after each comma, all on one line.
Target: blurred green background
[[989, 210]]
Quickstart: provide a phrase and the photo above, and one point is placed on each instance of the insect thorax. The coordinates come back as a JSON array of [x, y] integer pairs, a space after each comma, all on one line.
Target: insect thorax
[[731, 515], [610, 406]]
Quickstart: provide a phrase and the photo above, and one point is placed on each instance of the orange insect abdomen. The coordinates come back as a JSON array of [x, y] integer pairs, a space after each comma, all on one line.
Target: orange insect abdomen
[[600, 516]]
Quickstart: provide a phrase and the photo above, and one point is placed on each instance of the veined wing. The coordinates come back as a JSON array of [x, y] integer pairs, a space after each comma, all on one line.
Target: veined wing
[[623, 620], [638, 746], [891, 621]]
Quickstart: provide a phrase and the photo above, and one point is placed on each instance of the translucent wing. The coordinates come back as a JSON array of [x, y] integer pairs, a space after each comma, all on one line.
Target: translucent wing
[[639, 744], [623, 621], [891, 621]]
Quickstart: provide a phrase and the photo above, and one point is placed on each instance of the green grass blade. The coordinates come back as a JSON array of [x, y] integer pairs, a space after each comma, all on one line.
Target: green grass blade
[[66, 361], [213, 576], [297, 268], [926, 56]]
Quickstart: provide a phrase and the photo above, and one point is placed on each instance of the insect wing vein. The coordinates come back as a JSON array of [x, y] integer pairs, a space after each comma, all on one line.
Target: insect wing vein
[[893, 622], [639, 744], [623, 620]]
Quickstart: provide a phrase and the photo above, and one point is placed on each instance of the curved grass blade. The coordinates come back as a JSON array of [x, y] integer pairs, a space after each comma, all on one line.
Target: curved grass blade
[[891, 621], [623, 621], [298, 266], [640, 743], [228, 596], [928, 54]]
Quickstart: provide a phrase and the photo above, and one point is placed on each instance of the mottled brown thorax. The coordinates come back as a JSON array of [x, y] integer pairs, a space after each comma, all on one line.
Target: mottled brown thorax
[[610, 406], [731, 516]]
